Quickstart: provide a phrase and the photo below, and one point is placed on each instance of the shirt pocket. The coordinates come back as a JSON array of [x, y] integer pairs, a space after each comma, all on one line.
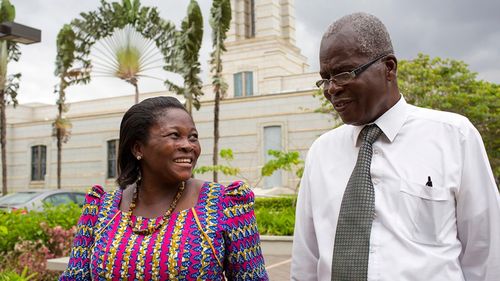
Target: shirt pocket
[[425, 212]]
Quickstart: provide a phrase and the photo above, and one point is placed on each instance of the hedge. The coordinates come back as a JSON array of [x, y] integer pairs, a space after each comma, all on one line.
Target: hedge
[[275, 216]]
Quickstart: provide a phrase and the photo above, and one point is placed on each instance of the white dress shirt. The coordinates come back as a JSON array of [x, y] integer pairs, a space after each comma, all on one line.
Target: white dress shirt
[[450, 231]]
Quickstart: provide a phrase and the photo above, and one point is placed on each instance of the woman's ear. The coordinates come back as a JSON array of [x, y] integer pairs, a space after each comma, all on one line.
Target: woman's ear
[[137, 150], [391, 64]]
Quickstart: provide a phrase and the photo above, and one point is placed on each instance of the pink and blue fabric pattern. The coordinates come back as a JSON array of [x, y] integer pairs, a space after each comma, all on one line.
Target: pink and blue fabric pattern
[[105, 247]]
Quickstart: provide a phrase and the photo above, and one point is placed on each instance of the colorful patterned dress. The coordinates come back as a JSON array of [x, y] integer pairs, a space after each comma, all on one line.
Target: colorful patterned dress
[[105, 248]]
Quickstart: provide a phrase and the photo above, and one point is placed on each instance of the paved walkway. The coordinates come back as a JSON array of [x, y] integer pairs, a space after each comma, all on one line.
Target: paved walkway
[[278, 267]]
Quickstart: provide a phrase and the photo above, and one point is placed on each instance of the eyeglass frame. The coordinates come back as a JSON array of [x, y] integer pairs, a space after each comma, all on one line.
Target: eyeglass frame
[[352, 74]]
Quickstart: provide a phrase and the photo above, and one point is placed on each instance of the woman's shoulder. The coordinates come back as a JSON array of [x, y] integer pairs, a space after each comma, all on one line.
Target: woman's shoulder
[[237, 192], [234, 193], [96, 191], [96, 194]]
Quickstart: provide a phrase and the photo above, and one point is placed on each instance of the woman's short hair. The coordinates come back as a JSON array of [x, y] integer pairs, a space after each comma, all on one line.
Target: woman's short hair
[[134, 128]]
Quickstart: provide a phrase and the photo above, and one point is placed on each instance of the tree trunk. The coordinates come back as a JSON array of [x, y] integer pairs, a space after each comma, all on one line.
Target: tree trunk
[[217, 90], [59, 137], [3, 141], [136, 92], [215, 157], [59, 130], [59, 156], [189, 103]]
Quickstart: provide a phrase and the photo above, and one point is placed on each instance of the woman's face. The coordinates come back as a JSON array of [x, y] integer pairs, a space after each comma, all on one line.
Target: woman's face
[[172, 148]]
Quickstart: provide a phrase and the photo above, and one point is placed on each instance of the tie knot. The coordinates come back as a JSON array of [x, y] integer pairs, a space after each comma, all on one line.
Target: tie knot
[[370, 133]]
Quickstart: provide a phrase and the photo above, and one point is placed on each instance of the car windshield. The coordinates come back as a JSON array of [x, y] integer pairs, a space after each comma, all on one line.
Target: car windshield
[[18, 198]]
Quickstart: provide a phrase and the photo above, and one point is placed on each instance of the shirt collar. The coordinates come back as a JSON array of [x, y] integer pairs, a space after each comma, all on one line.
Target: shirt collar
[[390, 122]]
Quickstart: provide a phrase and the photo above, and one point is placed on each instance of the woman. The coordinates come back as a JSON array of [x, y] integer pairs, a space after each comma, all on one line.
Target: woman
[[162, 224]]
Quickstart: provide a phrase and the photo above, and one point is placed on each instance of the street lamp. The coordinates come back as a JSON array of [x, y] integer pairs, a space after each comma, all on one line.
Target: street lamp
[[15, 32], [19, 33]]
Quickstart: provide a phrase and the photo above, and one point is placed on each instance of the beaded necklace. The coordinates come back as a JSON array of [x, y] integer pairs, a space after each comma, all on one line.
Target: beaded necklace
[[151, 229]]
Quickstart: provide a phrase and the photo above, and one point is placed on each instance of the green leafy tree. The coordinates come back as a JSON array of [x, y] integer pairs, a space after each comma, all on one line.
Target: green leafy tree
[[9, 84], [220, 18], [449, 85], [185, 58], [141, 27], [288, 161], [130, 58], [227, 169], [67, 76]]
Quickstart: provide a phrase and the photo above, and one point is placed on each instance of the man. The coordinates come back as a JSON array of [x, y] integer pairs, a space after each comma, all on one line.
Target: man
[[419, 202]]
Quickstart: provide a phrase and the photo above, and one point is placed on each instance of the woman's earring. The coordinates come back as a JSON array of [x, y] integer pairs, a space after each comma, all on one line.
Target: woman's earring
[[139, 157], [139, 177]]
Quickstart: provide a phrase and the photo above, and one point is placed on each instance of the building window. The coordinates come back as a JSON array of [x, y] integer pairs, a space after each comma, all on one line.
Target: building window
[[112, 158], [243, 84], [38, 162], [272, 140], [249, 18]]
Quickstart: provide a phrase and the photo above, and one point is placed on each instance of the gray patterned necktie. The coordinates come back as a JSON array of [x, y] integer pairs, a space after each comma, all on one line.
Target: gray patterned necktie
[[352, 239]]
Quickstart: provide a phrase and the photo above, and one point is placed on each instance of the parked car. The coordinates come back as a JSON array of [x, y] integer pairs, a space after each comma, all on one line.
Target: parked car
[[36, 199]]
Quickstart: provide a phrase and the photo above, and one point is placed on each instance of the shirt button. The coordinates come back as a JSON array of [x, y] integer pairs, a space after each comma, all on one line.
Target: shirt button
[[375, 151], [376, 181]]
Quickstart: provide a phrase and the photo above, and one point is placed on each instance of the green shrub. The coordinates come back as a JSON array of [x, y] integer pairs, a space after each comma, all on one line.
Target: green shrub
[[276, 203], [14, 276], [27, 240], [16, 226], [275, 216]]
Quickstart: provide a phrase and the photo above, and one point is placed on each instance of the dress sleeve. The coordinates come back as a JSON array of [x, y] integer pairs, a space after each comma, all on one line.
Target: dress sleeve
[[243, 259], [79, 260]]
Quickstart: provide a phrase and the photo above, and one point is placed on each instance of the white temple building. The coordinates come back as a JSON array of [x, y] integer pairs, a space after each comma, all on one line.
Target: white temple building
[[269, 105]]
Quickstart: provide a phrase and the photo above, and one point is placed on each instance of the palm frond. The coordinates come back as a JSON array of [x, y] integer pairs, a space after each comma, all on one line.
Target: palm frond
[[126, 54]]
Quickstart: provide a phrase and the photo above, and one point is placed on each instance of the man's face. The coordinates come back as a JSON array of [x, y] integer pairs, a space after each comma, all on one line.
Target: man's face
[[366, 97]]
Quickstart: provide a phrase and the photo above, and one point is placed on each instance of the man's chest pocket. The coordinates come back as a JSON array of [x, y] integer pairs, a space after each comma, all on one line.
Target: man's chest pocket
[[426, 213]]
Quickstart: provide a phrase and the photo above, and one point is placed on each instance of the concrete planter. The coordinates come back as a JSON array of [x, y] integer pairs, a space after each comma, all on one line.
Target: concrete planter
[[276, 245]]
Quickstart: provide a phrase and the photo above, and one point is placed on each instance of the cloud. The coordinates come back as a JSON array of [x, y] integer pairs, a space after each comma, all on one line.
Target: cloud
[[457, 29]]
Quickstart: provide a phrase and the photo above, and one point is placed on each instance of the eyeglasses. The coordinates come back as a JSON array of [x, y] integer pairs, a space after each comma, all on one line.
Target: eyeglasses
[[345, 77]]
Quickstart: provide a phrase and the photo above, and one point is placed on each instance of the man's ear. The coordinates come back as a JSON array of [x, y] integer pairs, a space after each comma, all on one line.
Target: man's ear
[[391, 64]]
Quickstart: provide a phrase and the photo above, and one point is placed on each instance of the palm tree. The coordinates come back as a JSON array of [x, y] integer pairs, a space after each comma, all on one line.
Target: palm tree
[[220, 18], [131, 40], [129, 52], [64, 61], [127, 55], [8, 84], [185, 59]]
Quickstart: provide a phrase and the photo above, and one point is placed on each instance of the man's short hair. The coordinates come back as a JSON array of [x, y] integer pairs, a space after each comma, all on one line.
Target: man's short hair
[[372, 34]]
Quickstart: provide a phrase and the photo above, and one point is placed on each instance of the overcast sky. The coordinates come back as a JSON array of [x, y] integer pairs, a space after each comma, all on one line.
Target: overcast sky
[[458, 29]]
